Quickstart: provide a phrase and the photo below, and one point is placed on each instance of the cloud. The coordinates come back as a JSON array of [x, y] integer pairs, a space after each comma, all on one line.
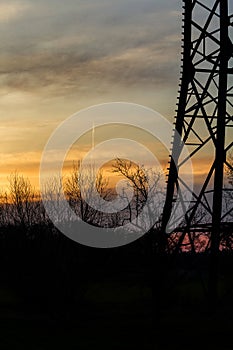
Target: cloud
[[59, 56], [12, 11], [19, 98], [70, 72], [81, 45]]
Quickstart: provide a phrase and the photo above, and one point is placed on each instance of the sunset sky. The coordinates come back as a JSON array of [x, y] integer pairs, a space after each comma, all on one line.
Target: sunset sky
[[58, 57]]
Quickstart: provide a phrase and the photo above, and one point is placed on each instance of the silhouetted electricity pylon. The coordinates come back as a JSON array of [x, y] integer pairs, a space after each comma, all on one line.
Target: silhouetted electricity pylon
[[204, 121]]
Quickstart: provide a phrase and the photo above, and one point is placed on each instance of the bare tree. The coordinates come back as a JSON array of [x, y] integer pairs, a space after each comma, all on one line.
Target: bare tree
[[227, 236], [137, 177], [228, 193], [21, 200], [52, 194], [84, 189], [4, 209]]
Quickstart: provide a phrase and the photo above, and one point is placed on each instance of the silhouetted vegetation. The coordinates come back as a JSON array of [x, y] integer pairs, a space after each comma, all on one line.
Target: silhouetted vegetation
[[52, 281]]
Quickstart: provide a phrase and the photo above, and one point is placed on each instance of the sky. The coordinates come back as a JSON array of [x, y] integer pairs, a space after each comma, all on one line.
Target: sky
[[58, 57]]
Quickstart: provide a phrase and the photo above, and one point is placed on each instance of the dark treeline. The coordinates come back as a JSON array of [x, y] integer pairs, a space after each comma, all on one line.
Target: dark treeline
[[52, 272], [57, 279]]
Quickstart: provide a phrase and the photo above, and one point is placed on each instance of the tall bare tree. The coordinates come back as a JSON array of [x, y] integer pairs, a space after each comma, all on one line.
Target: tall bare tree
[[84, 188], [137, 177]]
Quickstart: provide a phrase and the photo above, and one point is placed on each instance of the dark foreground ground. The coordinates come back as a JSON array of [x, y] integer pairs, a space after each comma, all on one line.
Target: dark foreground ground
[[113, 318], [63, 296]]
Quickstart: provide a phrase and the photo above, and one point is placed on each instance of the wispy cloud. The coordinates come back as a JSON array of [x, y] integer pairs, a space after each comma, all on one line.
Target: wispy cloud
[[81, 44], [10, 11]]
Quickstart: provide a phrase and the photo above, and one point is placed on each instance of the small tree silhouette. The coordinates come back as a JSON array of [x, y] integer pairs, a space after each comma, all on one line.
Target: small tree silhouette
[[21, 200]]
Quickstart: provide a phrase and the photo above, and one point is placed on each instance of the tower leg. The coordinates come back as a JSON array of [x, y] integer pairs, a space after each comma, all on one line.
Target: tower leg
[[219, 154]]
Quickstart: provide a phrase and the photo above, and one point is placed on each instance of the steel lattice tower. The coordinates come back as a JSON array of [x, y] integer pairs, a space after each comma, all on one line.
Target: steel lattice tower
[[204, 120]]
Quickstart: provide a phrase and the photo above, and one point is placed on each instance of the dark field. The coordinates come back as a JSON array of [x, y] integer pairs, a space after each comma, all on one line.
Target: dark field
[[57, 294]]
